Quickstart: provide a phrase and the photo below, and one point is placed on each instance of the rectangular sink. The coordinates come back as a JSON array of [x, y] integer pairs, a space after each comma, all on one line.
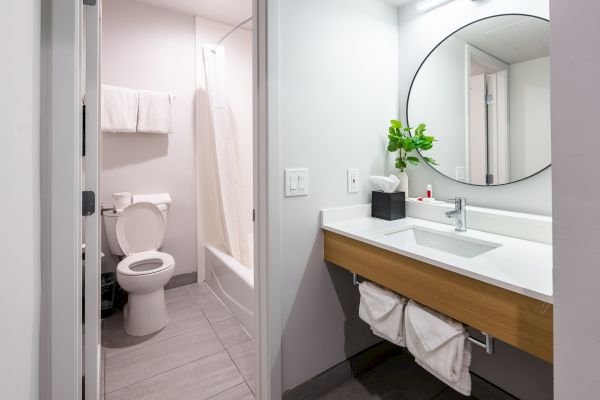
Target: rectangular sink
[[442, 241]]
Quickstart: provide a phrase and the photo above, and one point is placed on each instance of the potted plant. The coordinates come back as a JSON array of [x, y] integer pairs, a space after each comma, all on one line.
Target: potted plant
[[404, 142]]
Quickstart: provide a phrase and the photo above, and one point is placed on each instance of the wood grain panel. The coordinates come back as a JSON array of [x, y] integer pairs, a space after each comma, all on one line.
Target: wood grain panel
[[518, 320]]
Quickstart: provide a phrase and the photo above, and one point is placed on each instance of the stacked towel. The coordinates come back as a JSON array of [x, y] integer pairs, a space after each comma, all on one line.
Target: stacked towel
[[383, 310], [159, 198], [119, 109], [440, 345], [155, 112]]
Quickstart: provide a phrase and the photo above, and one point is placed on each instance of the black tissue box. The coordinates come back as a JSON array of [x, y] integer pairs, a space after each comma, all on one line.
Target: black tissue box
[[388, 206]]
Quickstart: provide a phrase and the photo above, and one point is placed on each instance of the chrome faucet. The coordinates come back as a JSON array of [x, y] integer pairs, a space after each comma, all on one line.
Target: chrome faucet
[[459, 214]]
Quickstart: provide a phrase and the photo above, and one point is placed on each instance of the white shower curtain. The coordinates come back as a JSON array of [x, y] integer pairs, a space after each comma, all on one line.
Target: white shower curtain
[[226, 168]]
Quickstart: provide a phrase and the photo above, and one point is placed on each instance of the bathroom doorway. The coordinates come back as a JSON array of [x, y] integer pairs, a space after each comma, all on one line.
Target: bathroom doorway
[[202, 329], [177, 143]]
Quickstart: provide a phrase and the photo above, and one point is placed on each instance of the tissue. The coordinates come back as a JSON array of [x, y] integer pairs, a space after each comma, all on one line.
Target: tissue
[[386, 184]]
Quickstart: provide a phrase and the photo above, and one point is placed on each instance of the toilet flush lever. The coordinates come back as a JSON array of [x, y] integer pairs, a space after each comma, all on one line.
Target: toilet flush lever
[[88, 203]]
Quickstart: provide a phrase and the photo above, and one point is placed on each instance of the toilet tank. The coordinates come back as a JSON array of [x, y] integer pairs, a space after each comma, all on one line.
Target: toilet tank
[[110, 226]]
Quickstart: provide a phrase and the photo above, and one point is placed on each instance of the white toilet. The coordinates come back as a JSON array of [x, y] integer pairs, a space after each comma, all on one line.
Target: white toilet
[[137, 233]]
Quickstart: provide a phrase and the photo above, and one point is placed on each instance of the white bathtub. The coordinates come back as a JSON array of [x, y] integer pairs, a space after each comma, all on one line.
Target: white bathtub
[[233, 283]]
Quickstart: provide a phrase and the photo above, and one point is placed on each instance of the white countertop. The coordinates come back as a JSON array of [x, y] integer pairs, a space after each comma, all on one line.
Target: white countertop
[[518, 265]]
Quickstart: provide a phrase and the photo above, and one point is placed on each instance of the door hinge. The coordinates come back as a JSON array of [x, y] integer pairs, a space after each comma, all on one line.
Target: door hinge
[[489, 179], [489, 99], [89, 2], [88, 203], [253, 215]]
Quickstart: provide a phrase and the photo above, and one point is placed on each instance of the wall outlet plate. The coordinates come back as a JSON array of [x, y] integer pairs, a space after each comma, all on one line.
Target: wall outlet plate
[[353, 184], [296, 182]]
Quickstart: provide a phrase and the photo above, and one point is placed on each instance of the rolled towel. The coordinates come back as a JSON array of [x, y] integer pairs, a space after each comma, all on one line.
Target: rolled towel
[[386, 184], [383, 310], [119, 109], [158, 198], [121, 200], [440, 345]]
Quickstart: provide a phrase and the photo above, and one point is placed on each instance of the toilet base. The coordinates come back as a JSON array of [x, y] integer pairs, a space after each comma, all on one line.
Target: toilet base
[[145, 313]]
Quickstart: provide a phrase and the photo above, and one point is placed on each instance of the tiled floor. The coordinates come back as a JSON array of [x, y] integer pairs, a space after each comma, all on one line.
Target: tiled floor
[[398, 378], [203, 353]]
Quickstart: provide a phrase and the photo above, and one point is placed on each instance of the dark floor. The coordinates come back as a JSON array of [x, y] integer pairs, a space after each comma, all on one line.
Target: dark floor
[[398, 378]]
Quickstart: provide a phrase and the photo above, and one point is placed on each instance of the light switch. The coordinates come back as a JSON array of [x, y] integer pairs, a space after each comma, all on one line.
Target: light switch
[[352, 180], [461, 173], [296, 182]]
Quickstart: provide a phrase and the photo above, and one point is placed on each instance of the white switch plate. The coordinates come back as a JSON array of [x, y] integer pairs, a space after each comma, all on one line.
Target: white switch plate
[[296, 182], [352, 180], [461, 173]]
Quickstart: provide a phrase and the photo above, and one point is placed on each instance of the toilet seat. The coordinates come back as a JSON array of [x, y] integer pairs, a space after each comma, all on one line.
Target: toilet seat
[[162, 261]]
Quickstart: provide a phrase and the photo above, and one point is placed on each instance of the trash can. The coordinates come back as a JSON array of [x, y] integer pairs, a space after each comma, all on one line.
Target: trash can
[[108, 286]]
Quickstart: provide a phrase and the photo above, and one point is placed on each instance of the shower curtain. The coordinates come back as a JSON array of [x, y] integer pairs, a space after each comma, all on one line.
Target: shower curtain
[[223, 148]]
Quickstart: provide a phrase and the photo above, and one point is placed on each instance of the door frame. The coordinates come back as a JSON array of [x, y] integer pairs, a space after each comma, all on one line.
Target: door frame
[[62, 355]]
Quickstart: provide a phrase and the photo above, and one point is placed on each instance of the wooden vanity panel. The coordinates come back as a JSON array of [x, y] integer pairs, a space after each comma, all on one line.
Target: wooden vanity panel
[[518, 320]]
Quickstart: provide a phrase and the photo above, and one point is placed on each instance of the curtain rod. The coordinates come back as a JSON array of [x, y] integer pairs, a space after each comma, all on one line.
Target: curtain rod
[[244, 22]]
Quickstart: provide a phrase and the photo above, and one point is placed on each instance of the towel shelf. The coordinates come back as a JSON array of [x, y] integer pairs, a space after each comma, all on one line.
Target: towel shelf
[[488, 344]]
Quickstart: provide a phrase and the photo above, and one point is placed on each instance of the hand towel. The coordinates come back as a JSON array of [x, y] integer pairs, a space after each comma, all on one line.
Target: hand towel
[[159, 198], [440, 345], [383, 310], [119, 109], [155, 112]]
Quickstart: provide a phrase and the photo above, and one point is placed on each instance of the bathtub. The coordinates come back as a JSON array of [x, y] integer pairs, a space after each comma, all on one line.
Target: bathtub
[[233, 283]]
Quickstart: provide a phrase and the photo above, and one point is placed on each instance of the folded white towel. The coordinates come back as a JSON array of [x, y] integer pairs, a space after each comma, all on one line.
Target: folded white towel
[[121, 200], [119, 109], [439, 344], [159, 198], [155, 112], [386, 184], [383, 310]]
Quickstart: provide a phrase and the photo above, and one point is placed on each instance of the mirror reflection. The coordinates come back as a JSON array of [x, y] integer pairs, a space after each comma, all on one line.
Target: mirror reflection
[[484, 93]]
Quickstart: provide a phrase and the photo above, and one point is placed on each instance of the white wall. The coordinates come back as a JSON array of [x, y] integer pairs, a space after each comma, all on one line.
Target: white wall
[[513, 370], [435, 100], [150, 48], [19, 178], [338, 91], [529, 125], [238, 60], [419, 33], [575, 63]]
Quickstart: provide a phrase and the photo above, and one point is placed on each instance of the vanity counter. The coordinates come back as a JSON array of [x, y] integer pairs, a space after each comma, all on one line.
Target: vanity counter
[[497, 284], [518, 265]]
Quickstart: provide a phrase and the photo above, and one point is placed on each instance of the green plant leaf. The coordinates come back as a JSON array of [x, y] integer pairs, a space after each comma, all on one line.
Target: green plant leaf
[[396, 124], [400, 164], [413, 160], [430, 160]]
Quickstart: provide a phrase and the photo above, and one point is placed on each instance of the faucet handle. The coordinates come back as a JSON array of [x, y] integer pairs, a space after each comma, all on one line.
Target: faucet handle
[[459, 201]]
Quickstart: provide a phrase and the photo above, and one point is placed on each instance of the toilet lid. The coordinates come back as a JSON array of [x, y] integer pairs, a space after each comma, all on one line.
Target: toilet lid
[[140, 227]]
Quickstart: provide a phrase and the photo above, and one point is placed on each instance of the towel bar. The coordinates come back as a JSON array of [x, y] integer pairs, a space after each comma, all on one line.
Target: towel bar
[[488, 344]]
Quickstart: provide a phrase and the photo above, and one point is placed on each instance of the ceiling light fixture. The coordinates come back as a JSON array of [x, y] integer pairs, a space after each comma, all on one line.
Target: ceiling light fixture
[[429, 4]]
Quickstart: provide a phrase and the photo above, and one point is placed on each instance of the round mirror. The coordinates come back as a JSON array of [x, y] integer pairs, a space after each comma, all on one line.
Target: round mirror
[[484, 93]]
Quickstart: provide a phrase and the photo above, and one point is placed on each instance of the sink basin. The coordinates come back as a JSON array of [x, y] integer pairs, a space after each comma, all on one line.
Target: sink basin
[[442, 241]]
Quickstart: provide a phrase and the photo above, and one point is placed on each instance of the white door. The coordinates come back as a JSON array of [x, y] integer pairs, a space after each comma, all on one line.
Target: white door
[[477, 167], [91, 162]]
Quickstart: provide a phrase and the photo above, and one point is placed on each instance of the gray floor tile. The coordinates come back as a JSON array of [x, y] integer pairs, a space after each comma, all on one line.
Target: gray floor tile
[[252, 384], [239, 392], [213, 308], [411, 381], [178, 299], [244, 357], [366, 385], [199, 380], [146, 361], [231, 332], [118, 341]]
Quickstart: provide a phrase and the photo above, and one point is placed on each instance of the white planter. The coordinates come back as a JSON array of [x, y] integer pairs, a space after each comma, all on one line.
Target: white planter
[[403, 185]]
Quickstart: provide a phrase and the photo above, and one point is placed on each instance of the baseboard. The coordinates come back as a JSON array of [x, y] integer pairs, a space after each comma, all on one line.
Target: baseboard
[[335, 376], [182, 280]]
